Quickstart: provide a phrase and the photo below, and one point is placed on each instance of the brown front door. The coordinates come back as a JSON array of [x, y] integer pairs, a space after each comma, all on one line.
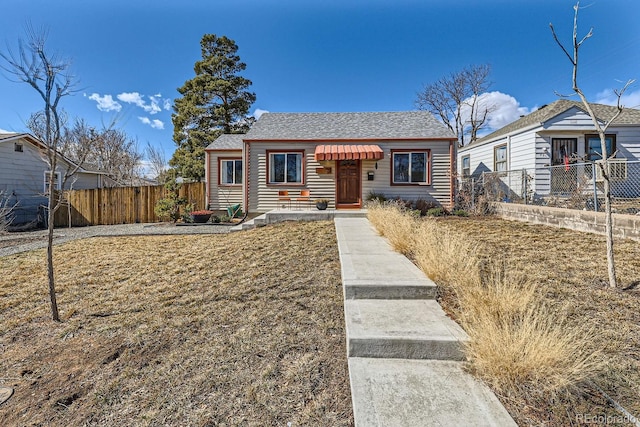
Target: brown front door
[[348, 184]]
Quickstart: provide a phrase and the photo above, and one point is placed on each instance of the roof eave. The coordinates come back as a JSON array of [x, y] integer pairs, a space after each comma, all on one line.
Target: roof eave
[[499, 137], [350, 139]]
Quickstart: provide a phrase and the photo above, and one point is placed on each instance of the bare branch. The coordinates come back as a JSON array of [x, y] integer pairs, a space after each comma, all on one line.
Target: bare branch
[[455, 99], [555, 37]]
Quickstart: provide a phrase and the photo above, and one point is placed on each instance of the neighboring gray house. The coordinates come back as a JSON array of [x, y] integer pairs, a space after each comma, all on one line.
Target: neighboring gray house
[[341, 157], [24, 175], [558, 134]]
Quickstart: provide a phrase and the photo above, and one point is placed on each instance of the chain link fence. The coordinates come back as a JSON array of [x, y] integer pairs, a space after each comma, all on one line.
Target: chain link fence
[[572, 186]]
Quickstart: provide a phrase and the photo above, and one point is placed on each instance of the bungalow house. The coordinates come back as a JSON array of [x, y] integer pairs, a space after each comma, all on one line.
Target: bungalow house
[[24, 175], [548, 141], [341, 157]]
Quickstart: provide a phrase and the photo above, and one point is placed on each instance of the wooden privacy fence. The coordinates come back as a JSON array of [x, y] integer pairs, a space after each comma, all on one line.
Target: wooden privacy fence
[[121, 205]]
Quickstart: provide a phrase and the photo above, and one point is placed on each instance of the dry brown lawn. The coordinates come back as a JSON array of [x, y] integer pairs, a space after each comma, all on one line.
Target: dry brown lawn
[[239, 329], [569, 270]]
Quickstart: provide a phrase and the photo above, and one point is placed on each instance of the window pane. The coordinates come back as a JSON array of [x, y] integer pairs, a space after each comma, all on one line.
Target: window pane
[[466, 163], [228, 172], [294, 167], [501, 159], [277, 167], [400, 167], [595, 148], [238, 171], [418, 170]]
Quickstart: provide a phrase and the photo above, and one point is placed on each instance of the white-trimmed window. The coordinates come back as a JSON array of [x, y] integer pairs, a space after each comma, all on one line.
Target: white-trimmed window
[[57, 184], [410, 167], [285, 167], [500, 158], [466, 166], [230, 171]]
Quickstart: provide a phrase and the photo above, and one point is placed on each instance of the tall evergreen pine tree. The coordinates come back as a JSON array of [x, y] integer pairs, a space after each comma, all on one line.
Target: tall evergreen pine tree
[[214, 102]]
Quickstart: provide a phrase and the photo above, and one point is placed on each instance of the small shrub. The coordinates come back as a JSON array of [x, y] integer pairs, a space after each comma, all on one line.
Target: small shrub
[[424, 206], [439, 211], [168, 208], [460, 212], [376, 197]]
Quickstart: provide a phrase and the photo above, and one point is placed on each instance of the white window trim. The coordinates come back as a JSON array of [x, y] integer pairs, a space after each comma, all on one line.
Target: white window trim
[[58, 183], [468, 158], [223, 172], [506, 157]]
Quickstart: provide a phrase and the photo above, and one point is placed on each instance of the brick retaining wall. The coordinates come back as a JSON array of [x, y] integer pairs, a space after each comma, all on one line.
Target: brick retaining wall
[[624, 226]]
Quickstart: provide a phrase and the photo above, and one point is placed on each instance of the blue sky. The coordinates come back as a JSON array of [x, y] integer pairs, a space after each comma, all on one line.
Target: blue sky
[[307, 56]]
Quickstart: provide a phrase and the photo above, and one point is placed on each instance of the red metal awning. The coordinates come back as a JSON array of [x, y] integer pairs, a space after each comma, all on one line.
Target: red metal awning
[[348, 152]]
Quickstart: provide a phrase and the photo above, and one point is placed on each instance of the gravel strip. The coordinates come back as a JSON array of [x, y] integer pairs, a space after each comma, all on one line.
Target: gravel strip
[[38, 239]]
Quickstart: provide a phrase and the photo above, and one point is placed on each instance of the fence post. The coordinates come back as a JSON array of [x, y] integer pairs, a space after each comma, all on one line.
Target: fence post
[[473, 194], [525, 187], [595, 189]]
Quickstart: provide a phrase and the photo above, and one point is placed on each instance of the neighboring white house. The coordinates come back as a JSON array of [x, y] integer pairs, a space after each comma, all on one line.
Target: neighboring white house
[[558, 134], [341, 157], [24, 175]]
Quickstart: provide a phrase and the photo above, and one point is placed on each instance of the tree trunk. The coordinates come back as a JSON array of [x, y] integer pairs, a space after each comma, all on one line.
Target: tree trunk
[[51, 215], [611, 265]]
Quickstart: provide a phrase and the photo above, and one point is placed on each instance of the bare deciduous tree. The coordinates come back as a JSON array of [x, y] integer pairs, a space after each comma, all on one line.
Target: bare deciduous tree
[[7, 210], [157, 163], [48, 74], [601, 129], [108, 149], [456, 100]]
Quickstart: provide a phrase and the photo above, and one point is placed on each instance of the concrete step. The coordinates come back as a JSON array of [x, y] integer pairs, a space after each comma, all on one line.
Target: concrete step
[[258, 221], [371, 269], [386, 275], [409, 393], [407, 329]]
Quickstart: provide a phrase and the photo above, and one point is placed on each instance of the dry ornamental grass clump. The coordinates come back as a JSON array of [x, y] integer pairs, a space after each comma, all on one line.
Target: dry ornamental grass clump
[[528, 347]]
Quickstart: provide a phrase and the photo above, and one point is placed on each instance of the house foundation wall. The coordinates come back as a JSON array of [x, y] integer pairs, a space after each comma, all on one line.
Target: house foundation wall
[[624, 226]]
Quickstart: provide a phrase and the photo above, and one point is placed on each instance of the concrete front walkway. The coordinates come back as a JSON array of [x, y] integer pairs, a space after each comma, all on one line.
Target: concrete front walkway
[[405, 355]]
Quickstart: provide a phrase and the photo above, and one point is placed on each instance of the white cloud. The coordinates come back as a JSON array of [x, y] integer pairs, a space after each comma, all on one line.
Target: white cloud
[[156, 124], [258, 112], [151, 107], [504, 108], [4, 131], [105, 103], [629, 100]]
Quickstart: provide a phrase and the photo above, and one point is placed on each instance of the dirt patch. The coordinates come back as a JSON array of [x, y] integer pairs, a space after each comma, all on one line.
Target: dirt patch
[[239, 329]]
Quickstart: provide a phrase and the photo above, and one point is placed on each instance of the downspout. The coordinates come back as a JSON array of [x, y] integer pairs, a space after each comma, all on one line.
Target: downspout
[[245, 186], [207, 162]]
